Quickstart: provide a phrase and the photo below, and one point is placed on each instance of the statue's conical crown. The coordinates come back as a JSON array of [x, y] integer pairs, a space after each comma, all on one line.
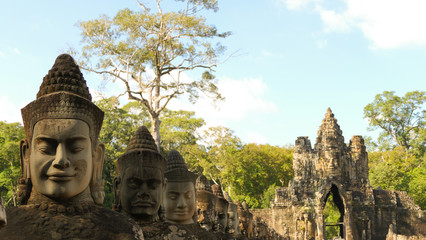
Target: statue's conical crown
[[63, 94], [177, 170], [64, 76], [142, 140], [175, 161], [141, 149], [202, 184], [217, 190]]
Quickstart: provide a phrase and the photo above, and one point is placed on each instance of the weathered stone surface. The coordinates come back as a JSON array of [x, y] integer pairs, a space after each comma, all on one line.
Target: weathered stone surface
[[221, 208], [62, 221], [140, 184], [172, 231], [233, 220], [246, 220], [180, 197], [331, 166], [394, 236], [62, 162], [206, 204]]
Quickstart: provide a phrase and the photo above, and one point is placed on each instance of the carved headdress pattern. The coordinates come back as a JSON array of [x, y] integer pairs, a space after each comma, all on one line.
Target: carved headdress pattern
[[177, 170], [204, 191], [63, 94], [222, 203], [141, 148], [217, 190], [202, 184]]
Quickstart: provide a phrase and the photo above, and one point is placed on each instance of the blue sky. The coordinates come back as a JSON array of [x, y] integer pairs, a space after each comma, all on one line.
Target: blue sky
[[295, 59]]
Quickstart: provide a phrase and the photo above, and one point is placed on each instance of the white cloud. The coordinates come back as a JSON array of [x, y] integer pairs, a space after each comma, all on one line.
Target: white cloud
[[242, 98], [334, 21], [9, 112], [386, 23]]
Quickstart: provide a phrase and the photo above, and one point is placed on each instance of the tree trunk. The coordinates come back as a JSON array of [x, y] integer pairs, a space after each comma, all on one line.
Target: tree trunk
[[155, 130]]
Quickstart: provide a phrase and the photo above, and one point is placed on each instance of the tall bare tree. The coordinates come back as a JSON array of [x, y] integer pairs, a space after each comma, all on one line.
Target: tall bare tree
[[147, 52]]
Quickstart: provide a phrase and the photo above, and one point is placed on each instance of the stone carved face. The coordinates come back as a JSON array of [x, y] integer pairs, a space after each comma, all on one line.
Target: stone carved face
[[179, 202], [141, 191], [222, 213], [206, 214], [233, 221], [61, 158]]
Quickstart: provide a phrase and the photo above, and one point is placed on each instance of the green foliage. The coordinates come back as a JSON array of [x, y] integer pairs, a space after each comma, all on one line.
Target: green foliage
[[148, 50], [399, 170], [255, 168], [268, 196], [249, 172], [331, 215], [396, 160], [417, 185], [179, 130], [10, 171], [401, 119]]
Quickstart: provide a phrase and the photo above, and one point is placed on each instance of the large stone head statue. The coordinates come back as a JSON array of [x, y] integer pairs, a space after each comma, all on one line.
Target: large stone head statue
[[206, 203], [180, 197], [221, 207], [140, 184], [233, 221], [61, 158]]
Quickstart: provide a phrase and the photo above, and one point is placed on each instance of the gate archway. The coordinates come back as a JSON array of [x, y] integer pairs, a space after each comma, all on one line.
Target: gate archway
[[335, 227]]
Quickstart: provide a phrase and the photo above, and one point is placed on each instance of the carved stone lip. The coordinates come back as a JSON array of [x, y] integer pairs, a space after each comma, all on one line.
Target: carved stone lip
[[142, 204], [180, 212], [61, 176]]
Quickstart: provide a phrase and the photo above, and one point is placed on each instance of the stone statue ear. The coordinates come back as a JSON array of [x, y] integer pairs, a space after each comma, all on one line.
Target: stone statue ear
[[116, 185], [24, 182], [97, 183], [24, 155], [165, 185]]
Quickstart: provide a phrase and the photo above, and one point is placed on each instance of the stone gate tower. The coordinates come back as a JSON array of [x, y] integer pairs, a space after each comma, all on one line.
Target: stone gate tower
[[332, 167]]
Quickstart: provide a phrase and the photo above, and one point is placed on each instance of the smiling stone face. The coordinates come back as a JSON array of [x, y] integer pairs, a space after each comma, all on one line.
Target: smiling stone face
[[61, 158], [179, 202]]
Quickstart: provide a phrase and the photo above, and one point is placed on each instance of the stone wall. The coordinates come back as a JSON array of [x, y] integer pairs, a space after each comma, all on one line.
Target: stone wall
[[333, 167]]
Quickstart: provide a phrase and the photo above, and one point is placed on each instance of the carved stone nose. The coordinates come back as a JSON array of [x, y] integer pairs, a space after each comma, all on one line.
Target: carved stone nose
[[61, 161]]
